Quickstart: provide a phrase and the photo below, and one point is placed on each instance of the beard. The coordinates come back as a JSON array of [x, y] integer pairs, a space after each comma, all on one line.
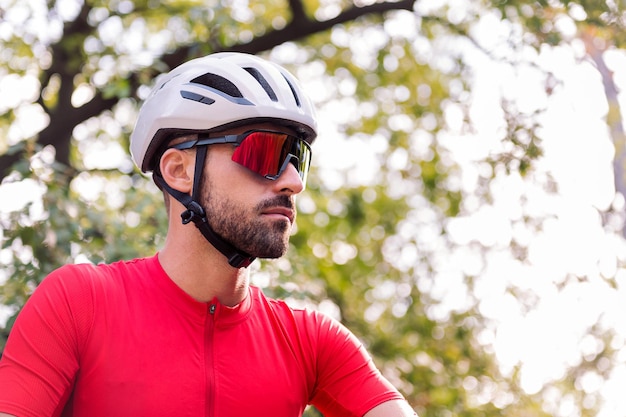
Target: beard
[[245, 229]]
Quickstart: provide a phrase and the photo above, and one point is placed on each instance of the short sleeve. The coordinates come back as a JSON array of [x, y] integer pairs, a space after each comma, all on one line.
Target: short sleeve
[[40, 360], [348, 383]]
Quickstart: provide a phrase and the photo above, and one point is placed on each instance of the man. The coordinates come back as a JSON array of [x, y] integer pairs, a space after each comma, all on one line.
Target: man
[[182, 333]]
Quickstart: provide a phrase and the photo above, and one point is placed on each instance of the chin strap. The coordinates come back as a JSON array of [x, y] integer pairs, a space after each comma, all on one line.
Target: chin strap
[[196, 214]]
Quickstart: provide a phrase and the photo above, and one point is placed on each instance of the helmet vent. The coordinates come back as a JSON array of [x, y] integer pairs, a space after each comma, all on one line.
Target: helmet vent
[[293, 91], [218, 83], [266, 86], [189, 95]]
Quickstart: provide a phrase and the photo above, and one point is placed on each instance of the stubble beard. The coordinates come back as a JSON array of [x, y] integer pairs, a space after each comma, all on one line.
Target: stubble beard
[[246, 229]]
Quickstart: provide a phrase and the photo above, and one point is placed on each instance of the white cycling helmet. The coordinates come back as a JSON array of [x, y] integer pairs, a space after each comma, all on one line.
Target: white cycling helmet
[[216, 92]]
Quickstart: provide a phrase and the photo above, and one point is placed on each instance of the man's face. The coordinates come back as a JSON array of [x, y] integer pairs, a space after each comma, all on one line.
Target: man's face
[[253, 213]]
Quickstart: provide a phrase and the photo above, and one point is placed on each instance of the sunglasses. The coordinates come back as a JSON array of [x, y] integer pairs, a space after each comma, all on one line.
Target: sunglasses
[[265, 152]]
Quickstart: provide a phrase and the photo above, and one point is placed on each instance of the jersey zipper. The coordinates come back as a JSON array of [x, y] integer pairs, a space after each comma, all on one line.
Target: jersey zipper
[[209, 331]]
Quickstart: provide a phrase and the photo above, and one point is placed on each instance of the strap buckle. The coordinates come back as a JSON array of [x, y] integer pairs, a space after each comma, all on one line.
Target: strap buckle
[[194, 213]]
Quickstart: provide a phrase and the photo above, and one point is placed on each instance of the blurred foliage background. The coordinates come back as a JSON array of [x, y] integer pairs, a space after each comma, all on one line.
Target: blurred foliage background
[[392, 79]]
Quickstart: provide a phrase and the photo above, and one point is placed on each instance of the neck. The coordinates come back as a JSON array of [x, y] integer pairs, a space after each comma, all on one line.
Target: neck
[[202, 271]]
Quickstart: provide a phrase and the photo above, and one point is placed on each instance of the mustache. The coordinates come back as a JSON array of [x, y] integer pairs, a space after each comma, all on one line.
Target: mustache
[[278, 201]]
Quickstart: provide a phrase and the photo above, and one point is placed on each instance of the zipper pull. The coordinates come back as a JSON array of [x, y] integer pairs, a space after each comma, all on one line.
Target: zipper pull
[[212, 309]]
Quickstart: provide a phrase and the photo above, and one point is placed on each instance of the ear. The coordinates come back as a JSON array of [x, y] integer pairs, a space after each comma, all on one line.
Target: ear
[[177, 168]]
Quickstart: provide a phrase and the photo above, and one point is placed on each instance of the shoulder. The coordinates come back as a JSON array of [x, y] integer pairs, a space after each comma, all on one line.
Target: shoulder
[[77, 287], [283, 308], [307, 319], [108, 269], [74, 292], [75, 276]]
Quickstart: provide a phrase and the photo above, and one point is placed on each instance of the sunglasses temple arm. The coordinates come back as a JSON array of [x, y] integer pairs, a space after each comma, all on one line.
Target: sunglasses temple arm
[[288, 160]]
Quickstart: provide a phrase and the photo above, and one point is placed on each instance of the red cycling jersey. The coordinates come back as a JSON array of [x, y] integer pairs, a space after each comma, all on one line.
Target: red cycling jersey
[[124, 340]]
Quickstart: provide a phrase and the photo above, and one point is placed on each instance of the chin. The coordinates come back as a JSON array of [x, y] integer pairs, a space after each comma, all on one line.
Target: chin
[[271, 251]]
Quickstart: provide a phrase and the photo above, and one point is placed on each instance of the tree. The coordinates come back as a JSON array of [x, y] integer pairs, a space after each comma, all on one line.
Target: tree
[[395, 80]]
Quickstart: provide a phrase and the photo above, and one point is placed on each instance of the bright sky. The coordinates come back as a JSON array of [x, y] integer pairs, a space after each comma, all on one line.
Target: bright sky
[[578, 155]]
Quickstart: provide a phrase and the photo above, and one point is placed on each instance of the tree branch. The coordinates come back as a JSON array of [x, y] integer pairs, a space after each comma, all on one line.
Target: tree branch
[[64, 117], [301, 27]]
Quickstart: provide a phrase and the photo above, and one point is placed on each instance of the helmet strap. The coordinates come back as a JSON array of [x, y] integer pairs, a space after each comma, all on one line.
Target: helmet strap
[[196, 214]]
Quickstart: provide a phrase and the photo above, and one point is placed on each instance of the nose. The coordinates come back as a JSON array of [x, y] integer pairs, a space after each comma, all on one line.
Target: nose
[[289, 181]]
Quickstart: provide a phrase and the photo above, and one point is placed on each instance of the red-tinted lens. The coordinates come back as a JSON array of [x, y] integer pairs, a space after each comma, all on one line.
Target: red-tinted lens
[[269, 153]]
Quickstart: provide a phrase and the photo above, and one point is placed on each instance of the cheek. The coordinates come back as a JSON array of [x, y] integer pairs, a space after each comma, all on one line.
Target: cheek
[[224, 182], [218, 166], [227, 174]]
